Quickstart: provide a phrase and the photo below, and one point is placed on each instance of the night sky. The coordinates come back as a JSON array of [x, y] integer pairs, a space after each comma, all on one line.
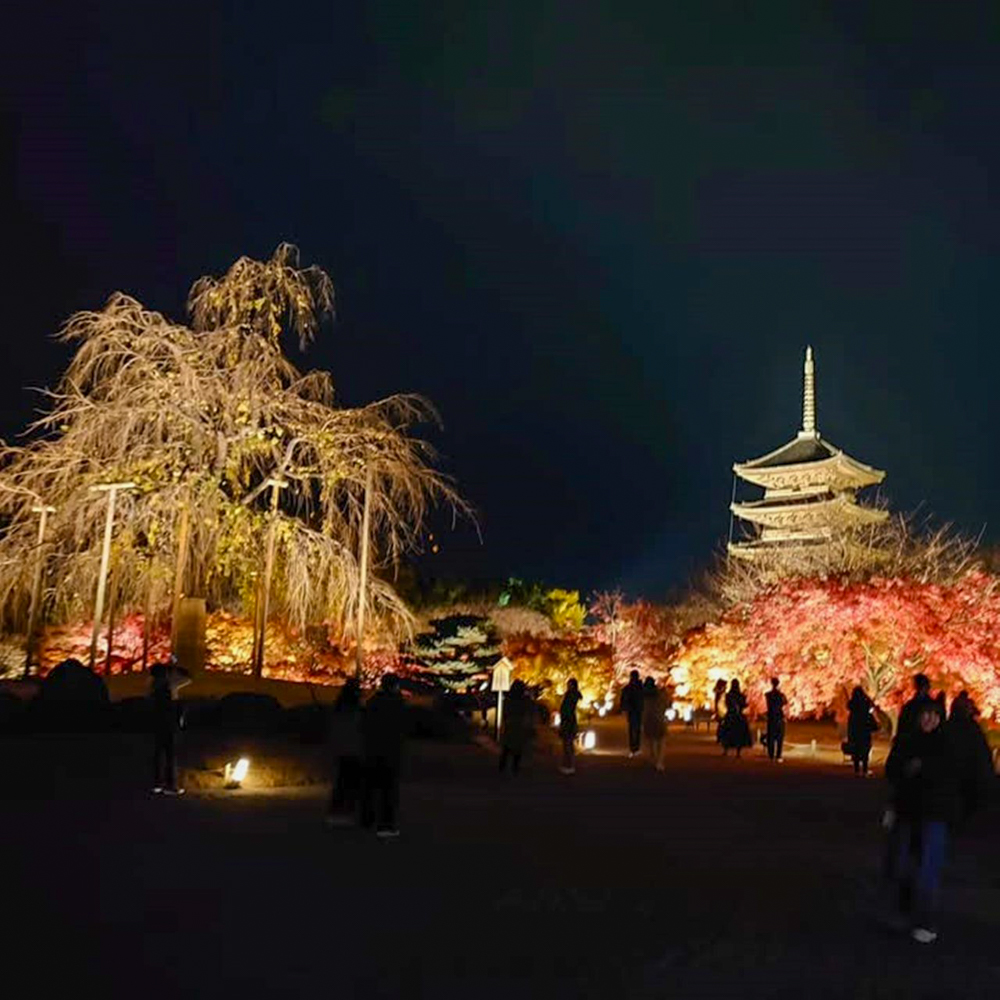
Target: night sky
[[598, 236]]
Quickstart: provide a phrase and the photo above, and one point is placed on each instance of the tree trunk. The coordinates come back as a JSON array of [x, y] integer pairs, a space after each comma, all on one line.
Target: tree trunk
[[363, 582], [183, 540]]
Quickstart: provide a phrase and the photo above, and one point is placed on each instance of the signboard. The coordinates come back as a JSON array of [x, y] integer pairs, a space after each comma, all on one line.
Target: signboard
[[502, 670]]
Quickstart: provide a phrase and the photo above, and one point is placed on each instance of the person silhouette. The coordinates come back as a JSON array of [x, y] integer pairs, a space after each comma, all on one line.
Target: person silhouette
[[776, 704], [383, 730], [518, 726], [861, 723], [633, 702], [654, 724], [346, 750], [568, 725], [166, 679], [734, 731]]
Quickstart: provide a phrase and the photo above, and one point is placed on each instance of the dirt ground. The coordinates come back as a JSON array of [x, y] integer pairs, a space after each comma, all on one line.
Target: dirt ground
[[715, 878]]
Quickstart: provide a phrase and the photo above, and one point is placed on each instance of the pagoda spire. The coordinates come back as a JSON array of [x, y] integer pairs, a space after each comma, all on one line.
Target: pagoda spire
[[809, 396]]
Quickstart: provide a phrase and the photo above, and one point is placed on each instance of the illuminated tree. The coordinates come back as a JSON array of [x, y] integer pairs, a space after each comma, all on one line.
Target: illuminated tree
[[821, 637], [234, 453]]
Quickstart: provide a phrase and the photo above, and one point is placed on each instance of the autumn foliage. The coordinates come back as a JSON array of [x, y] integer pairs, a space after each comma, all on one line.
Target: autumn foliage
[[821, 637]]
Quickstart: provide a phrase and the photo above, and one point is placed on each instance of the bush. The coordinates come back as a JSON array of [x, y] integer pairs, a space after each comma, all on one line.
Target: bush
[[309, 723], [246, 712], [72, 682]]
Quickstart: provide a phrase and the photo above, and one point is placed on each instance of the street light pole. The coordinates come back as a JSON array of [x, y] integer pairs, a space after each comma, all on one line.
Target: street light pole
[[34, 611], [102, 581]]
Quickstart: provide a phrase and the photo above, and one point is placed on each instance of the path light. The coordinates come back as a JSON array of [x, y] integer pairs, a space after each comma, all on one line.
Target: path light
[[555, 719], [589, 739], [235, 773]]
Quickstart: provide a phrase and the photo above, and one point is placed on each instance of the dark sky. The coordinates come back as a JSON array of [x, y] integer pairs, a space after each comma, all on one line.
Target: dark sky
[[597, 235]]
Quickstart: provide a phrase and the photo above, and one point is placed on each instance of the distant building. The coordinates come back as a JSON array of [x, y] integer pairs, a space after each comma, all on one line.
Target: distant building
[[810, 492]]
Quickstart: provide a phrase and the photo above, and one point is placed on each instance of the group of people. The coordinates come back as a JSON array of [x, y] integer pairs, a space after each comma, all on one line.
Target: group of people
[[643, 702], [939, 769], [366, 740], [645, 705]]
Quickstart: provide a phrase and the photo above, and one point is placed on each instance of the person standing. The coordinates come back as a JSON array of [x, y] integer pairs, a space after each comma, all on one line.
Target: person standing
[[912, 709], [974, 759], [734, 731], [775, 738], [345, 752], [633, 702], [861, 723], [654, 723], [166, 680], [718, 699], [382, 732], [518, 726], [923, 771], [568, 725]]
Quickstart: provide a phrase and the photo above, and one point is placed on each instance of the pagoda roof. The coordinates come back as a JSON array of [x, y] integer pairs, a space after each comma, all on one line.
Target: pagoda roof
[[814, 509], [801, 449], [815, 461]]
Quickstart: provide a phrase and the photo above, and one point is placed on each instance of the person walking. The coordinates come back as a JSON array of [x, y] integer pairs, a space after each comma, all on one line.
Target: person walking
[[654, 723], [922, 770], [734, 732], [382, 734], [974, 759], [775, 737], [633, 702], [345, 754], [861, 723], [568, 725], [166, 680], [518, 726]]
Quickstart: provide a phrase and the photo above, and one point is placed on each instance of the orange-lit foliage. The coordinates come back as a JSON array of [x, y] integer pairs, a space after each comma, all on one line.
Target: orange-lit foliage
[[548, 663], [821, 637], [291, 655]]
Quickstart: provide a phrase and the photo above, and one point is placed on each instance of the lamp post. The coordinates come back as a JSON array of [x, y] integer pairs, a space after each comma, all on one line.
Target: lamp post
[[363, 581], [102, 581], [34, 611], [265, 592]]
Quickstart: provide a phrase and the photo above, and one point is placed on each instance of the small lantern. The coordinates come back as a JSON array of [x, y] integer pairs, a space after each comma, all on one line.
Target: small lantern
[[236, 773]]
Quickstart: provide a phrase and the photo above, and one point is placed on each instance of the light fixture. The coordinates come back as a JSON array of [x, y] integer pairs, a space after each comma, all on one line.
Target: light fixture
[[589, 739], [236, 773]]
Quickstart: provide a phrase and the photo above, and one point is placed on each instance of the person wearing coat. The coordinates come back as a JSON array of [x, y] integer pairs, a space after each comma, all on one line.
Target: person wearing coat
[[776, 705], [383, 730], [166, 680], [568, 725], [518, 726], [974, 759], [654, 724], [346, 755], [734, 732], [861, 723], [633, 704], [923, 771]]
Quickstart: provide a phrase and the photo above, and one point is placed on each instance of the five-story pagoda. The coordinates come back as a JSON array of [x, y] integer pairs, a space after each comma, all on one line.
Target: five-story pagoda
[[810, 489]]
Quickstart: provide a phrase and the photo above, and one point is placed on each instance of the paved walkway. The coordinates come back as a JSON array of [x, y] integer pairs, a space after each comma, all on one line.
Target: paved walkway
[[715, 878]]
